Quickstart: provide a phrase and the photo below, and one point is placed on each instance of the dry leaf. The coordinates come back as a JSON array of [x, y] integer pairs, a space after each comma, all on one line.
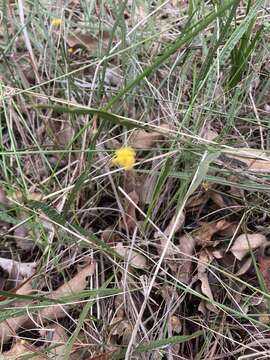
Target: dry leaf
[[264, 265], [110, 236], [119, 312], [172, 249], [208, 134], [113, 77], [9, 327], [245, 242], [65, 135], [3, 198], [20, 350], [230, 231], [202, 308], [223, 201], [179, 224], [147, 186], [175, 324], [163, 238], [130, 216], [88, 41], [218, 254], [17, 270], [76, 284], [135, 259], [123, 329], [56, 335], [206, 231], [197, 200], [103, 356], [253, 160], [186, 247], [141, 139], [129, 222], [203, 276], [20, 235], [244, 266], [19, 196]]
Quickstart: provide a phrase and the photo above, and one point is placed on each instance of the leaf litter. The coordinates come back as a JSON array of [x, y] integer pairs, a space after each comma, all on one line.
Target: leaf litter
[[216, 240]]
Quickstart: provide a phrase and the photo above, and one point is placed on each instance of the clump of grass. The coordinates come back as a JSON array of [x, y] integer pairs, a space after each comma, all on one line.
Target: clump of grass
[[67, 115]]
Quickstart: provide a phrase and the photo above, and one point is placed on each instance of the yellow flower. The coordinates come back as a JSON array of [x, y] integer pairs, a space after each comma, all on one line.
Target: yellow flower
[[125, 157], [56, 22]]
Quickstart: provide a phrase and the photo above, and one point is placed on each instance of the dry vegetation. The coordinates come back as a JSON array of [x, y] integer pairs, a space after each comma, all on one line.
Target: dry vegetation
[[159, 250]]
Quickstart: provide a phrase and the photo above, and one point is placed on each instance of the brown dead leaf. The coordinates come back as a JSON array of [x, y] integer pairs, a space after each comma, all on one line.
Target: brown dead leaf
[[19, 196], [147, 185], [130, 181], [134, 258], [55, 335], [123, 329], [141, 139], [218, 254], [163, 237], [186, 247], [230, 231], [172, 249], [204, 234], [110, 236], [130, 219], [224, 201], [119, 312], [208, 133], [197, 200], [244, 266], [179, 224], [264, 265], [175, 324], [76, 284], [253, 160], [205, 259], [246, 242], [3, 198], [20, 235], [88, 41], [103, 356], [65, 134], [9, 327], [20, 350], [17, 270]]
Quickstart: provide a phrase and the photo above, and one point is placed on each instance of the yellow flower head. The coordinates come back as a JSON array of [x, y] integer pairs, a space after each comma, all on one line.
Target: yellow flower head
[[56, 22], [125, 157]]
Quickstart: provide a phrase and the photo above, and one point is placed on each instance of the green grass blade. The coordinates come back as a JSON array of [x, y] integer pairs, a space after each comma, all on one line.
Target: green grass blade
[[171, 49]]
